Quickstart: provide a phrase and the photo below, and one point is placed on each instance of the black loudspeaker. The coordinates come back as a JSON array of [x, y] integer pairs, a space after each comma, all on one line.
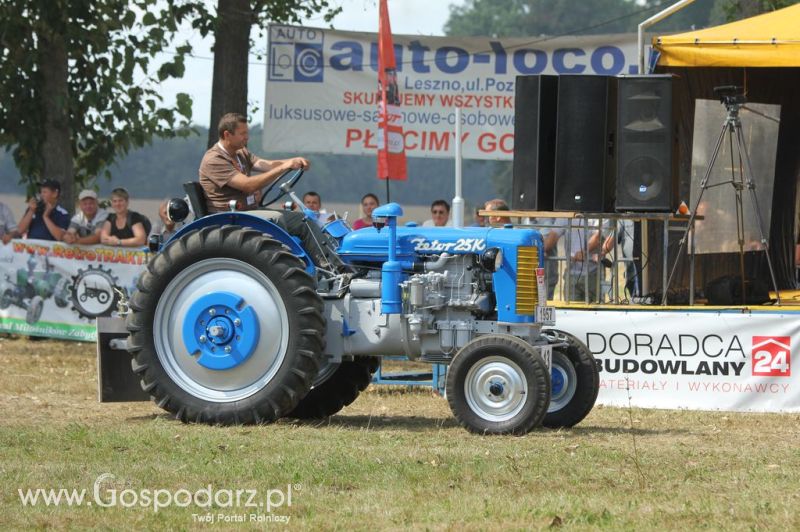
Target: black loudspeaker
[[535, 100], [646, 145], [584, 156]]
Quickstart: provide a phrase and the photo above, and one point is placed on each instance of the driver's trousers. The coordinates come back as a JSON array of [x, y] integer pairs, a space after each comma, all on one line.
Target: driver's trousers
[[319, 246]]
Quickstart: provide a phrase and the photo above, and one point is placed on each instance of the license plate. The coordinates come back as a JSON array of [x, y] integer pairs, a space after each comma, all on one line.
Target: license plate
[[546, 315]]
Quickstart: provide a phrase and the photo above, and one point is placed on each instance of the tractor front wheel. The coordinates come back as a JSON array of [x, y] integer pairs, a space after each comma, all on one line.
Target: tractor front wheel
[[498, 384]]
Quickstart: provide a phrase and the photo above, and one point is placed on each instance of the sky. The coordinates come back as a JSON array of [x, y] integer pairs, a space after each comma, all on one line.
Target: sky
[[411, 17]]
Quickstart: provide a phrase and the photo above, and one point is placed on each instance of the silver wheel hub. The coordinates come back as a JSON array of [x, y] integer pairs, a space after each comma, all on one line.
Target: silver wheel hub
[[496, 389]]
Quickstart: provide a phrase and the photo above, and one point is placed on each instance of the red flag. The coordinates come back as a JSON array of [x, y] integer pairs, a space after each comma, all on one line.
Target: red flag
[[391, 146]]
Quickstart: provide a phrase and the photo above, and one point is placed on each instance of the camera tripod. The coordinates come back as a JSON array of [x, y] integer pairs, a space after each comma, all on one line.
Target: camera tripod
[[734, 100]]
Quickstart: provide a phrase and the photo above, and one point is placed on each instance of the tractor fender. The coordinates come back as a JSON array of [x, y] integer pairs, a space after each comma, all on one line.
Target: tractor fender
[[264, 221]]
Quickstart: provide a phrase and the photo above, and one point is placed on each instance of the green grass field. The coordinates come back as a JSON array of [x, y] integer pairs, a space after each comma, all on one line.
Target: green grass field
[[395, 459]]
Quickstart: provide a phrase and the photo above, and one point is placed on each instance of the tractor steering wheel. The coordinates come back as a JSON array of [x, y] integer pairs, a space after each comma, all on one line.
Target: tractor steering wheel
[[285, 182]]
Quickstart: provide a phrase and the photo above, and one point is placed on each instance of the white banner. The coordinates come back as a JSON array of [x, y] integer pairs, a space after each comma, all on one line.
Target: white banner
[[704, 360], [321, 91], [57, 290]]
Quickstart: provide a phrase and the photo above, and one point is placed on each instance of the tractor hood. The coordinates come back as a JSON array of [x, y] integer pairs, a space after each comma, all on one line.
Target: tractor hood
[[369, 244]]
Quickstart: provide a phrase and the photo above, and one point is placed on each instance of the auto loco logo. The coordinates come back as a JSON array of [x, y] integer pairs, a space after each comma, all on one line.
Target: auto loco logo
[[771, 356], [295, 54], [302, 54]]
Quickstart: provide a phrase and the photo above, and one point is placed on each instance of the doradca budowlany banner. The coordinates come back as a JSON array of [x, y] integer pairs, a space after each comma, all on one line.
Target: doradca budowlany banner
[[57, 290], [322, 93]]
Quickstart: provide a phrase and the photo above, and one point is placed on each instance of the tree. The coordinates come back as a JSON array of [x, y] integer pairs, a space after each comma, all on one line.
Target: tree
[[534, 18], [78, 87], [231, 24], [730, 10], [531, 18]]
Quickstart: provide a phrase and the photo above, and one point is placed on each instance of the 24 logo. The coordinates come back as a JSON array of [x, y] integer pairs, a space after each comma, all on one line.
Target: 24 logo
[[772, 356]]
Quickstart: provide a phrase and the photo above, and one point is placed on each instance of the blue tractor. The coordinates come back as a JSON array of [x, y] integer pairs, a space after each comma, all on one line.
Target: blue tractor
[[233, 322]]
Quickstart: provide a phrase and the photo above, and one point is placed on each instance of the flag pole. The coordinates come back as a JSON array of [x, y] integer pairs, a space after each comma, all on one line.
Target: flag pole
[[458, 201]]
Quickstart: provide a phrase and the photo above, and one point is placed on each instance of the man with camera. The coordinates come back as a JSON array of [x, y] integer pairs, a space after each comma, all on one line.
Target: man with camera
[[44, 219]]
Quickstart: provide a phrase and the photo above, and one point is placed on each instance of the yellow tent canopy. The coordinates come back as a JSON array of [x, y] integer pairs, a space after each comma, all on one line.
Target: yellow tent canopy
[[768, 40]]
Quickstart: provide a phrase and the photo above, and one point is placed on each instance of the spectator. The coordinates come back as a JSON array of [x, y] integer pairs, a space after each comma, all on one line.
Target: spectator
[[123, 227], [44, 219], [368, 204], [164, 227], [313, 201], [8, 226], [86, 225], [478, 220], [497, 205], [440, 215], [582, 266], [551, 229]]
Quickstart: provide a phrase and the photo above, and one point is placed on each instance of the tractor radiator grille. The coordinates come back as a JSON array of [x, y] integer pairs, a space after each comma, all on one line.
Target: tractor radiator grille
[[527, 292]]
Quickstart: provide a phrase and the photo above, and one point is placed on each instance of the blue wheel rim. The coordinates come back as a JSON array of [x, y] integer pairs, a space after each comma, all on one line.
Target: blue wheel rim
[[563, 382], [221, 330]]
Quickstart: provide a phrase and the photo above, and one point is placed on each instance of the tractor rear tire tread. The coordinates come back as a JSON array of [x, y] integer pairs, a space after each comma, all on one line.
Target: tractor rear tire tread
[[340, 390], [303, 306]]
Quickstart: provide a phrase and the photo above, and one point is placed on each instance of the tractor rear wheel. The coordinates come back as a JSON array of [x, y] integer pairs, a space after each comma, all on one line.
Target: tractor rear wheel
[[226, 327], [337, 389], [498, 384], [575, 382]]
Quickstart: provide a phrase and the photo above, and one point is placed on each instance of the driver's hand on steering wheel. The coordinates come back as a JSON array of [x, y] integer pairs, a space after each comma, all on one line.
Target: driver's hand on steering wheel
[[296, 163]]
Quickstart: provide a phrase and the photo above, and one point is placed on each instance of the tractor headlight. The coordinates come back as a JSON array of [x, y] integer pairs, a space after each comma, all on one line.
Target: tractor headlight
[[177, 209], [492, 259]]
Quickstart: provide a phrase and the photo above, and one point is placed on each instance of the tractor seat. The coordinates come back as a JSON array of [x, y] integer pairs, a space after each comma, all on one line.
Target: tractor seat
[[197, 198]]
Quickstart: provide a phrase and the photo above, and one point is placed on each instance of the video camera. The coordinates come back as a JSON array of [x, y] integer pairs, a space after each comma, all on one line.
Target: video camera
[[40, 206], [730, 95]]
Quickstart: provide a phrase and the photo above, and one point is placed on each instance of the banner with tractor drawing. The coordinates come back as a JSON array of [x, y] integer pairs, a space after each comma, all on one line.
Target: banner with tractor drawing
[[57, 290]]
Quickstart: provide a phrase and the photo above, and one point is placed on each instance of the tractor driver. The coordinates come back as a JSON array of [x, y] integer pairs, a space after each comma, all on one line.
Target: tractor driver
[[225, 176]]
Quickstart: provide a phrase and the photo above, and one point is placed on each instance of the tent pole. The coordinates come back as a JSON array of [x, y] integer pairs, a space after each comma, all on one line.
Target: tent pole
[[658, 17]]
